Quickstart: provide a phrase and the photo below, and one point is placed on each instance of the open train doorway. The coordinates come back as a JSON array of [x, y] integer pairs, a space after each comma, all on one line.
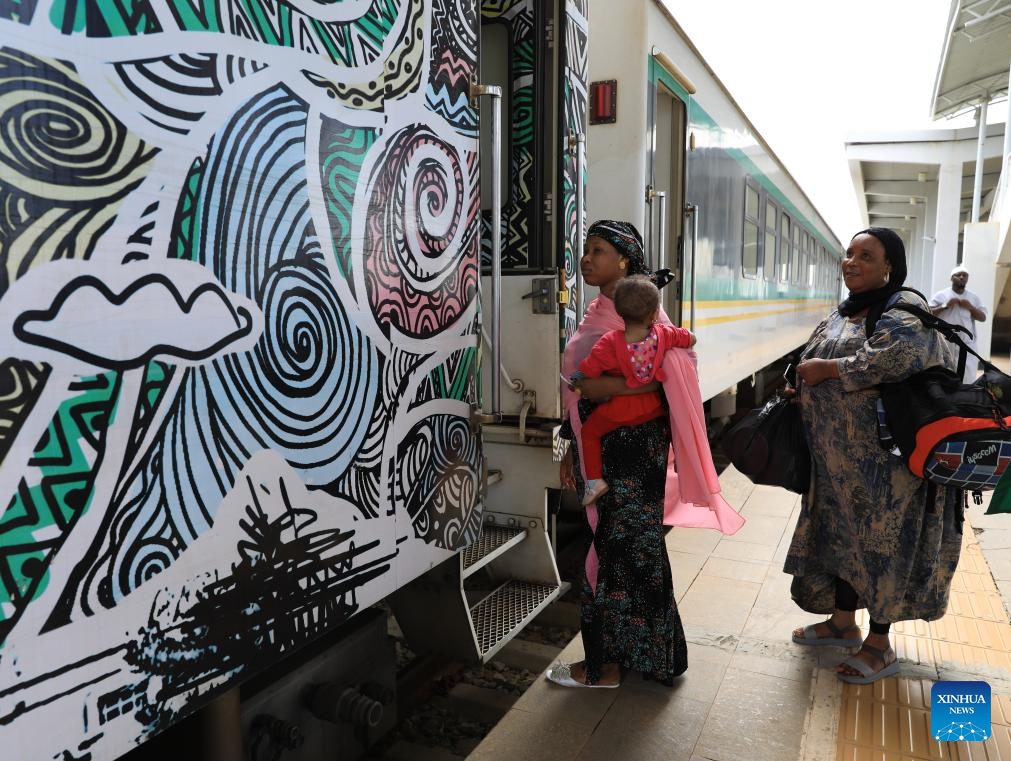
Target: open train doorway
[[666, 192]]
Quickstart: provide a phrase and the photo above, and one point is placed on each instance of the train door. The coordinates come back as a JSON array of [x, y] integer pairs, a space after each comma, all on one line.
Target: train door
[[474, 605], [665, 195]]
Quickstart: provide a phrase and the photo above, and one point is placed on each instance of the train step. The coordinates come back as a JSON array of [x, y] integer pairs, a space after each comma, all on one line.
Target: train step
[[493, 542], [474, 603], [502, 614]]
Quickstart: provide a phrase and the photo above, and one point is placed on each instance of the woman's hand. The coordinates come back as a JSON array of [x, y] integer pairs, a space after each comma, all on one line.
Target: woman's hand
[[597, 389], [566, 471], [814, 371]]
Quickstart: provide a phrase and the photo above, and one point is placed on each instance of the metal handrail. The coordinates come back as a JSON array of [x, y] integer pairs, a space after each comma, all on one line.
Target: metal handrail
[[661, 259], [476, 91], [577, 144], [692, 210], [660, 248]]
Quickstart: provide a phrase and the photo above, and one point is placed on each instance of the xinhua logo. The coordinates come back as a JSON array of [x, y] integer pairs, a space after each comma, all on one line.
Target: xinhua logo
[[960, 711]]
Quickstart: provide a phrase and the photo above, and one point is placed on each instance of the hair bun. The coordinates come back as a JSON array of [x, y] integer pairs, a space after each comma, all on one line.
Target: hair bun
[[662, 277]]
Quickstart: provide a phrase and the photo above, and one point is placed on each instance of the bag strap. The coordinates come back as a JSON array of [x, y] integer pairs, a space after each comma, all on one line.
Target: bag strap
[[872, 317], [947, 329]]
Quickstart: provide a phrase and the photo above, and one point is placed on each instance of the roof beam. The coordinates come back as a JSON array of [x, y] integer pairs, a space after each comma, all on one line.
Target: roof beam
[[995, 10], [902, 209], [989, 178], [939, 152], [901, 188]]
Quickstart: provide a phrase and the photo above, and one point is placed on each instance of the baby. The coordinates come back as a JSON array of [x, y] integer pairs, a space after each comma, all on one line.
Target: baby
[[635, 353]]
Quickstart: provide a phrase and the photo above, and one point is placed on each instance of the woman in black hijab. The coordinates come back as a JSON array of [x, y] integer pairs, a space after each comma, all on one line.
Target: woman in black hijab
[[870, 534]]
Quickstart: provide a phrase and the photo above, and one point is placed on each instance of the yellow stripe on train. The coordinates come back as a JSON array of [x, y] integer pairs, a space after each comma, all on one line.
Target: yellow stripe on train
[[717, 304], [700, 321]]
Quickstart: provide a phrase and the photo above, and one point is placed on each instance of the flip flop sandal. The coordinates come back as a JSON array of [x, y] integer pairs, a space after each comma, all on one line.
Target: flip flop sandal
[[811, 638], [867, 674], [561, 673]]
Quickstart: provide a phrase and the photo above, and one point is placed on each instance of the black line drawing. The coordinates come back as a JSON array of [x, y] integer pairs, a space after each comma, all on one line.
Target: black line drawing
[[74, 295]]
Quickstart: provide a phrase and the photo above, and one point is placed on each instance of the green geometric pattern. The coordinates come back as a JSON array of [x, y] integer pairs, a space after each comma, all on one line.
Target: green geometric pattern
[[452, 379], [342, 151], [54, 493], [271, 22]]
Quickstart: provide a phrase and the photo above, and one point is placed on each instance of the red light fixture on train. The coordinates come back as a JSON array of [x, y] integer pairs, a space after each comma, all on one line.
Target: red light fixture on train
[[604, 101]]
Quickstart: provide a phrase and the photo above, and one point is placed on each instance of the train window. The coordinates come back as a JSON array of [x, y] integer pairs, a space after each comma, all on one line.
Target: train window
[[727, 253], [796, 254], [751, 224], [771, 240], [785, 247], [809, 262], [805, 255]]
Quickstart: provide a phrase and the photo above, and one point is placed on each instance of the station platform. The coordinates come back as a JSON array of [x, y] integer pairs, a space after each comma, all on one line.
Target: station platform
[[749, 693]]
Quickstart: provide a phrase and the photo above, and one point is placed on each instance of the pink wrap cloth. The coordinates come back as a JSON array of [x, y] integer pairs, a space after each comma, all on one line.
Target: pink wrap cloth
[[692, 498]]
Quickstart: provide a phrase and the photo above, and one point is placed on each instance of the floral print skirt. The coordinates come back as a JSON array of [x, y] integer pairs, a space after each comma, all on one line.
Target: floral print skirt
[[632, 617]]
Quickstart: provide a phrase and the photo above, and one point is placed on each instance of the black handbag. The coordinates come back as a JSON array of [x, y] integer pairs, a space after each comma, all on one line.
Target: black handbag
[[768, 445]]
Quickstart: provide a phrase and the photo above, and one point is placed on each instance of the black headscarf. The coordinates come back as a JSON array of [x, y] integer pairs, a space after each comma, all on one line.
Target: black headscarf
[[875, 301], [626, 239]]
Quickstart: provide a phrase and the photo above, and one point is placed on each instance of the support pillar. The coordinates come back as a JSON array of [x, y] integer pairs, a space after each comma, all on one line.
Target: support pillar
[[977, 186], [929, 235], [949, 199], [1007, 130], [979, 257]]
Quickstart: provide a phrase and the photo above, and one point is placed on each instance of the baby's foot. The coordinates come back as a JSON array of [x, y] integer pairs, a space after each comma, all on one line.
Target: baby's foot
[[594, 488]]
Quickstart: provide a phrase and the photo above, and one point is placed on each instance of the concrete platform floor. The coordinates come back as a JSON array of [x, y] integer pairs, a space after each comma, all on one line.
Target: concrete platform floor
[[750, 694]]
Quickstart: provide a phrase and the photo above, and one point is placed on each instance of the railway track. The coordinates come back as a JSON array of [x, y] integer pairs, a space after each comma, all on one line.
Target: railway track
[[446, 708]]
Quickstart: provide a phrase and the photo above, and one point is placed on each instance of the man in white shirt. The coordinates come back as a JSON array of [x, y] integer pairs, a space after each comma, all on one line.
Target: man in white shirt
[[961, 306]]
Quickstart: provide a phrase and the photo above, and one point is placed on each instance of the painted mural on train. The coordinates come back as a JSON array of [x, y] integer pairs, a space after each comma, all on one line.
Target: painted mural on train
[[239, 244]]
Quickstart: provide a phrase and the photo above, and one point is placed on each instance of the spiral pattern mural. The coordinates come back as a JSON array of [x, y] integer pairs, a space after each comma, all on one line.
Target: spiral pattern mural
[[438, 467], [244, 237], [422, 206], [65, 163], [308, 388]]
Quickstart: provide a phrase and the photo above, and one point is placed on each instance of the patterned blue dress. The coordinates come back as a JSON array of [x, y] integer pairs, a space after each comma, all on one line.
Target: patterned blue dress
[[866, 518]]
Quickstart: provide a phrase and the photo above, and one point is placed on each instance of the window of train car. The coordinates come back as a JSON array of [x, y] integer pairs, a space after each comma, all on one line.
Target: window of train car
[[785, 247], [798, 254], [771, 239], [809, 260], [805, 260], [751, 225], [725, 252], [819, 269]]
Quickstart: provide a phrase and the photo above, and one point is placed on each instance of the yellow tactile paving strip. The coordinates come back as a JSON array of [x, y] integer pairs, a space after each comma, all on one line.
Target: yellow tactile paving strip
[[890, 720]]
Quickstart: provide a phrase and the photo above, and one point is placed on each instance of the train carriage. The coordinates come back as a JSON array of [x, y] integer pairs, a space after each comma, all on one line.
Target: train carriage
[[282, 313], [665, 146]]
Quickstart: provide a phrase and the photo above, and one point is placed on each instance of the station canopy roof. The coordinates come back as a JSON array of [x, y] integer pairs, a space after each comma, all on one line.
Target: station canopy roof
[[894, 183], [975, 58]]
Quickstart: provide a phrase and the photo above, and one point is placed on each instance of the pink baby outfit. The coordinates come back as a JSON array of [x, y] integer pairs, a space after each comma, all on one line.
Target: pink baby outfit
[[639, 363], [692, 498]]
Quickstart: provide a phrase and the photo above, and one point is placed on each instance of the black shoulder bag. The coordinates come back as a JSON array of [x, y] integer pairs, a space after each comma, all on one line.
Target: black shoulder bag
[[769, 446]]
